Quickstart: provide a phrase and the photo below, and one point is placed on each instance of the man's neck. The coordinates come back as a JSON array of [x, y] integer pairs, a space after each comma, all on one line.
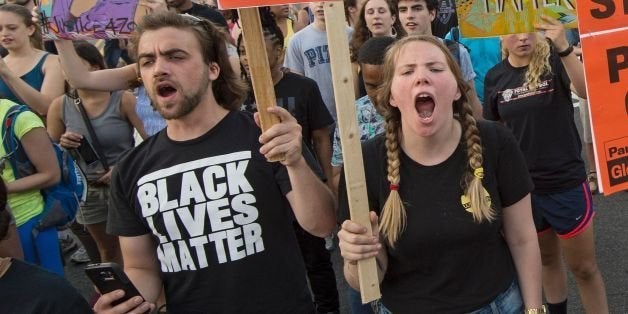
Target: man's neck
[[196, 123], [319, 25]]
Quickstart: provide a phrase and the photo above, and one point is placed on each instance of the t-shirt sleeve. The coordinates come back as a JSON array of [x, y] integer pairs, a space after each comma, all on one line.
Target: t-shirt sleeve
[[318, 113], [123, 220], [490, 111], [25, 122], [466, 65], [294, 59], [513, 178]]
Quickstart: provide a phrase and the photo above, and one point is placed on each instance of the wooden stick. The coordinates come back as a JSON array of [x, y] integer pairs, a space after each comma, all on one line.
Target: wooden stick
[[342, 77], [259, 68]]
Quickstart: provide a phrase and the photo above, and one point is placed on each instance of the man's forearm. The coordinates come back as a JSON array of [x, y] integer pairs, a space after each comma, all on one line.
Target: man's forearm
[[147, 281], [311, 200]]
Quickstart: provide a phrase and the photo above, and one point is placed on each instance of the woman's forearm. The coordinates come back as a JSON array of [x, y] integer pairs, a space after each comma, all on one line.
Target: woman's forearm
[[80, 77]]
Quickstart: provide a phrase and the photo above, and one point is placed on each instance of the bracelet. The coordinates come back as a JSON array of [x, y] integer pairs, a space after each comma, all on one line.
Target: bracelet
[[540, 310], [566, 52]]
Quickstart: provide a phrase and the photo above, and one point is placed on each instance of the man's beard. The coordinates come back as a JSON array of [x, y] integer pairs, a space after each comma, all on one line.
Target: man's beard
[[188, 104]]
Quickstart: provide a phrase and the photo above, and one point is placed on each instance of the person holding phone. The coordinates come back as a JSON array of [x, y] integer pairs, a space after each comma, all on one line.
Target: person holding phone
[[224, 231], [113, 118]]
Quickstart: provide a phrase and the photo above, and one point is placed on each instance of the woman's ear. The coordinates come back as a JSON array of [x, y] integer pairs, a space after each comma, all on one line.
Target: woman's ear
[[31, 30]]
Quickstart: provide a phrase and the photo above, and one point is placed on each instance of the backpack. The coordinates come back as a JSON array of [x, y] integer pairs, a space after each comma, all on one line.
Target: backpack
[[454, 48], [62, 200]]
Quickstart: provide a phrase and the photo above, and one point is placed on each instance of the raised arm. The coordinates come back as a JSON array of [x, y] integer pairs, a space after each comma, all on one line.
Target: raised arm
[[555, 32], [37, 100], [103, 80]]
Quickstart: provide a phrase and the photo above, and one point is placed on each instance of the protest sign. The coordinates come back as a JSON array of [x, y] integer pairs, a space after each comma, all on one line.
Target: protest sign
[[486, 18], [234, 4], [89, 19], [604, 34]]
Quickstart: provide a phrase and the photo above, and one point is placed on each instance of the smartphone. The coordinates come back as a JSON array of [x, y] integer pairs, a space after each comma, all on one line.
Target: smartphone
[[87, 152], [108, 277]]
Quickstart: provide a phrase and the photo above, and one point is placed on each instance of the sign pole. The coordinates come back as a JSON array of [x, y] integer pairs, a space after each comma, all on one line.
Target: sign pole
[[261, 80], [342, 76]]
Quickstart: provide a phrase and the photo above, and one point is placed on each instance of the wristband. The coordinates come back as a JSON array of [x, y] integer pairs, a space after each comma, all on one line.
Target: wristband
[[566, 52], [542, 309]]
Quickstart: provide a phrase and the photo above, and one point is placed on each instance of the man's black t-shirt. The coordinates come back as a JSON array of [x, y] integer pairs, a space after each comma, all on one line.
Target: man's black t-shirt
[[26, 288], [217, 211], [542, 121], [208, 13], [444, 262], [302, 98]]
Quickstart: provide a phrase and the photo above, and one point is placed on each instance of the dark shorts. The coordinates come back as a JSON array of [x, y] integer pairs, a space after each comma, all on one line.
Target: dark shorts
[[568, 213]]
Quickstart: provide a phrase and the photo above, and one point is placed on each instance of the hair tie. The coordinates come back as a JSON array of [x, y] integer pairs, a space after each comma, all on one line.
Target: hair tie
[[479, 173], [394, 187]]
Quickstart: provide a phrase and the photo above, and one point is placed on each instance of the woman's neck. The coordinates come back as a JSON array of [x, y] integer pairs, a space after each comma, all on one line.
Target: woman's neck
[[518, 62], [92, 97], [432, 150], [26, 52]]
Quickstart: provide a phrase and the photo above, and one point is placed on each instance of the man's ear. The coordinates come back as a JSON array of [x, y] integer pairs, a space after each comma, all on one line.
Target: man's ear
[[432, 15], [214, 71]]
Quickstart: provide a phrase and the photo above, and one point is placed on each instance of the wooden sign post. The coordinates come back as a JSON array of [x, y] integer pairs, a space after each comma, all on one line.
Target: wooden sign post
[[345, 102], [342, 76], [261, 80]]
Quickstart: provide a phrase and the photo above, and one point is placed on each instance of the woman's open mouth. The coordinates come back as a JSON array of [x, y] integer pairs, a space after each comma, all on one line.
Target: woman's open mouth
[[424, 105]]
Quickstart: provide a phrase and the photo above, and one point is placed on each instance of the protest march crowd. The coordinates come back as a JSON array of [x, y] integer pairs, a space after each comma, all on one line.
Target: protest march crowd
[[480, 200]]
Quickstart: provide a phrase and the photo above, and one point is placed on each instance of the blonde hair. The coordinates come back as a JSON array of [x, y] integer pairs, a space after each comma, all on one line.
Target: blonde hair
[[393, 214], [539, 62]]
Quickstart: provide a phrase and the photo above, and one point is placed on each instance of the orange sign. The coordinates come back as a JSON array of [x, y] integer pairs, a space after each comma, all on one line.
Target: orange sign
[[234, 4], [603, 33]]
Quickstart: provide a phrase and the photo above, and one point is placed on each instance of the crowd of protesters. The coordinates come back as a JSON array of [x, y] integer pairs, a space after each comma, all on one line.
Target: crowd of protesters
[[480, 200]]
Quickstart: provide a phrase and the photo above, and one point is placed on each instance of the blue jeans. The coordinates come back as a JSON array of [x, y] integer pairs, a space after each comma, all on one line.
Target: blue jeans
[[507, 302], [355, 303]]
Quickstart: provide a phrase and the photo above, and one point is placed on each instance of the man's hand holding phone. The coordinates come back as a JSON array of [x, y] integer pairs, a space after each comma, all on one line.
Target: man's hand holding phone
[[119, 295], [136, 304]]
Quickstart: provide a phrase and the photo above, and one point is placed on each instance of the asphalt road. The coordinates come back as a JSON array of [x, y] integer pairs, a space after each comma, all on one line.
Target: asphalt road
[[610, 223]]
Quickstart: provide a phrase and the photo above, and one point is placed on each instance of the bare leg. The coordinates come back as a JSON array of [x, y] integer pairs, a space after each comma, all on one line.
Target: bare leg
[[580, 256], [108, 245], [554, 273]]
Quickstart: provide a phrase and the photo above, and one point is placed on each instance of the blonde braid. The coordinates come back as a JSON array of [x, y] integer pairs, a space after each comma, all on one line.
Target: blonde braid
[[393, 216], [480, 204], [539, 63]]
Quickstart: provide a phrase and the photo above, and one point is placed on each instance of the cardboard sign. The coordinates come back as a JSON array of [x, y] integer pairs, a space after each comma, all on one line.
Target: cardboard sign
[[487, 18], [89, 19], [604, 33], [234, 4]]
